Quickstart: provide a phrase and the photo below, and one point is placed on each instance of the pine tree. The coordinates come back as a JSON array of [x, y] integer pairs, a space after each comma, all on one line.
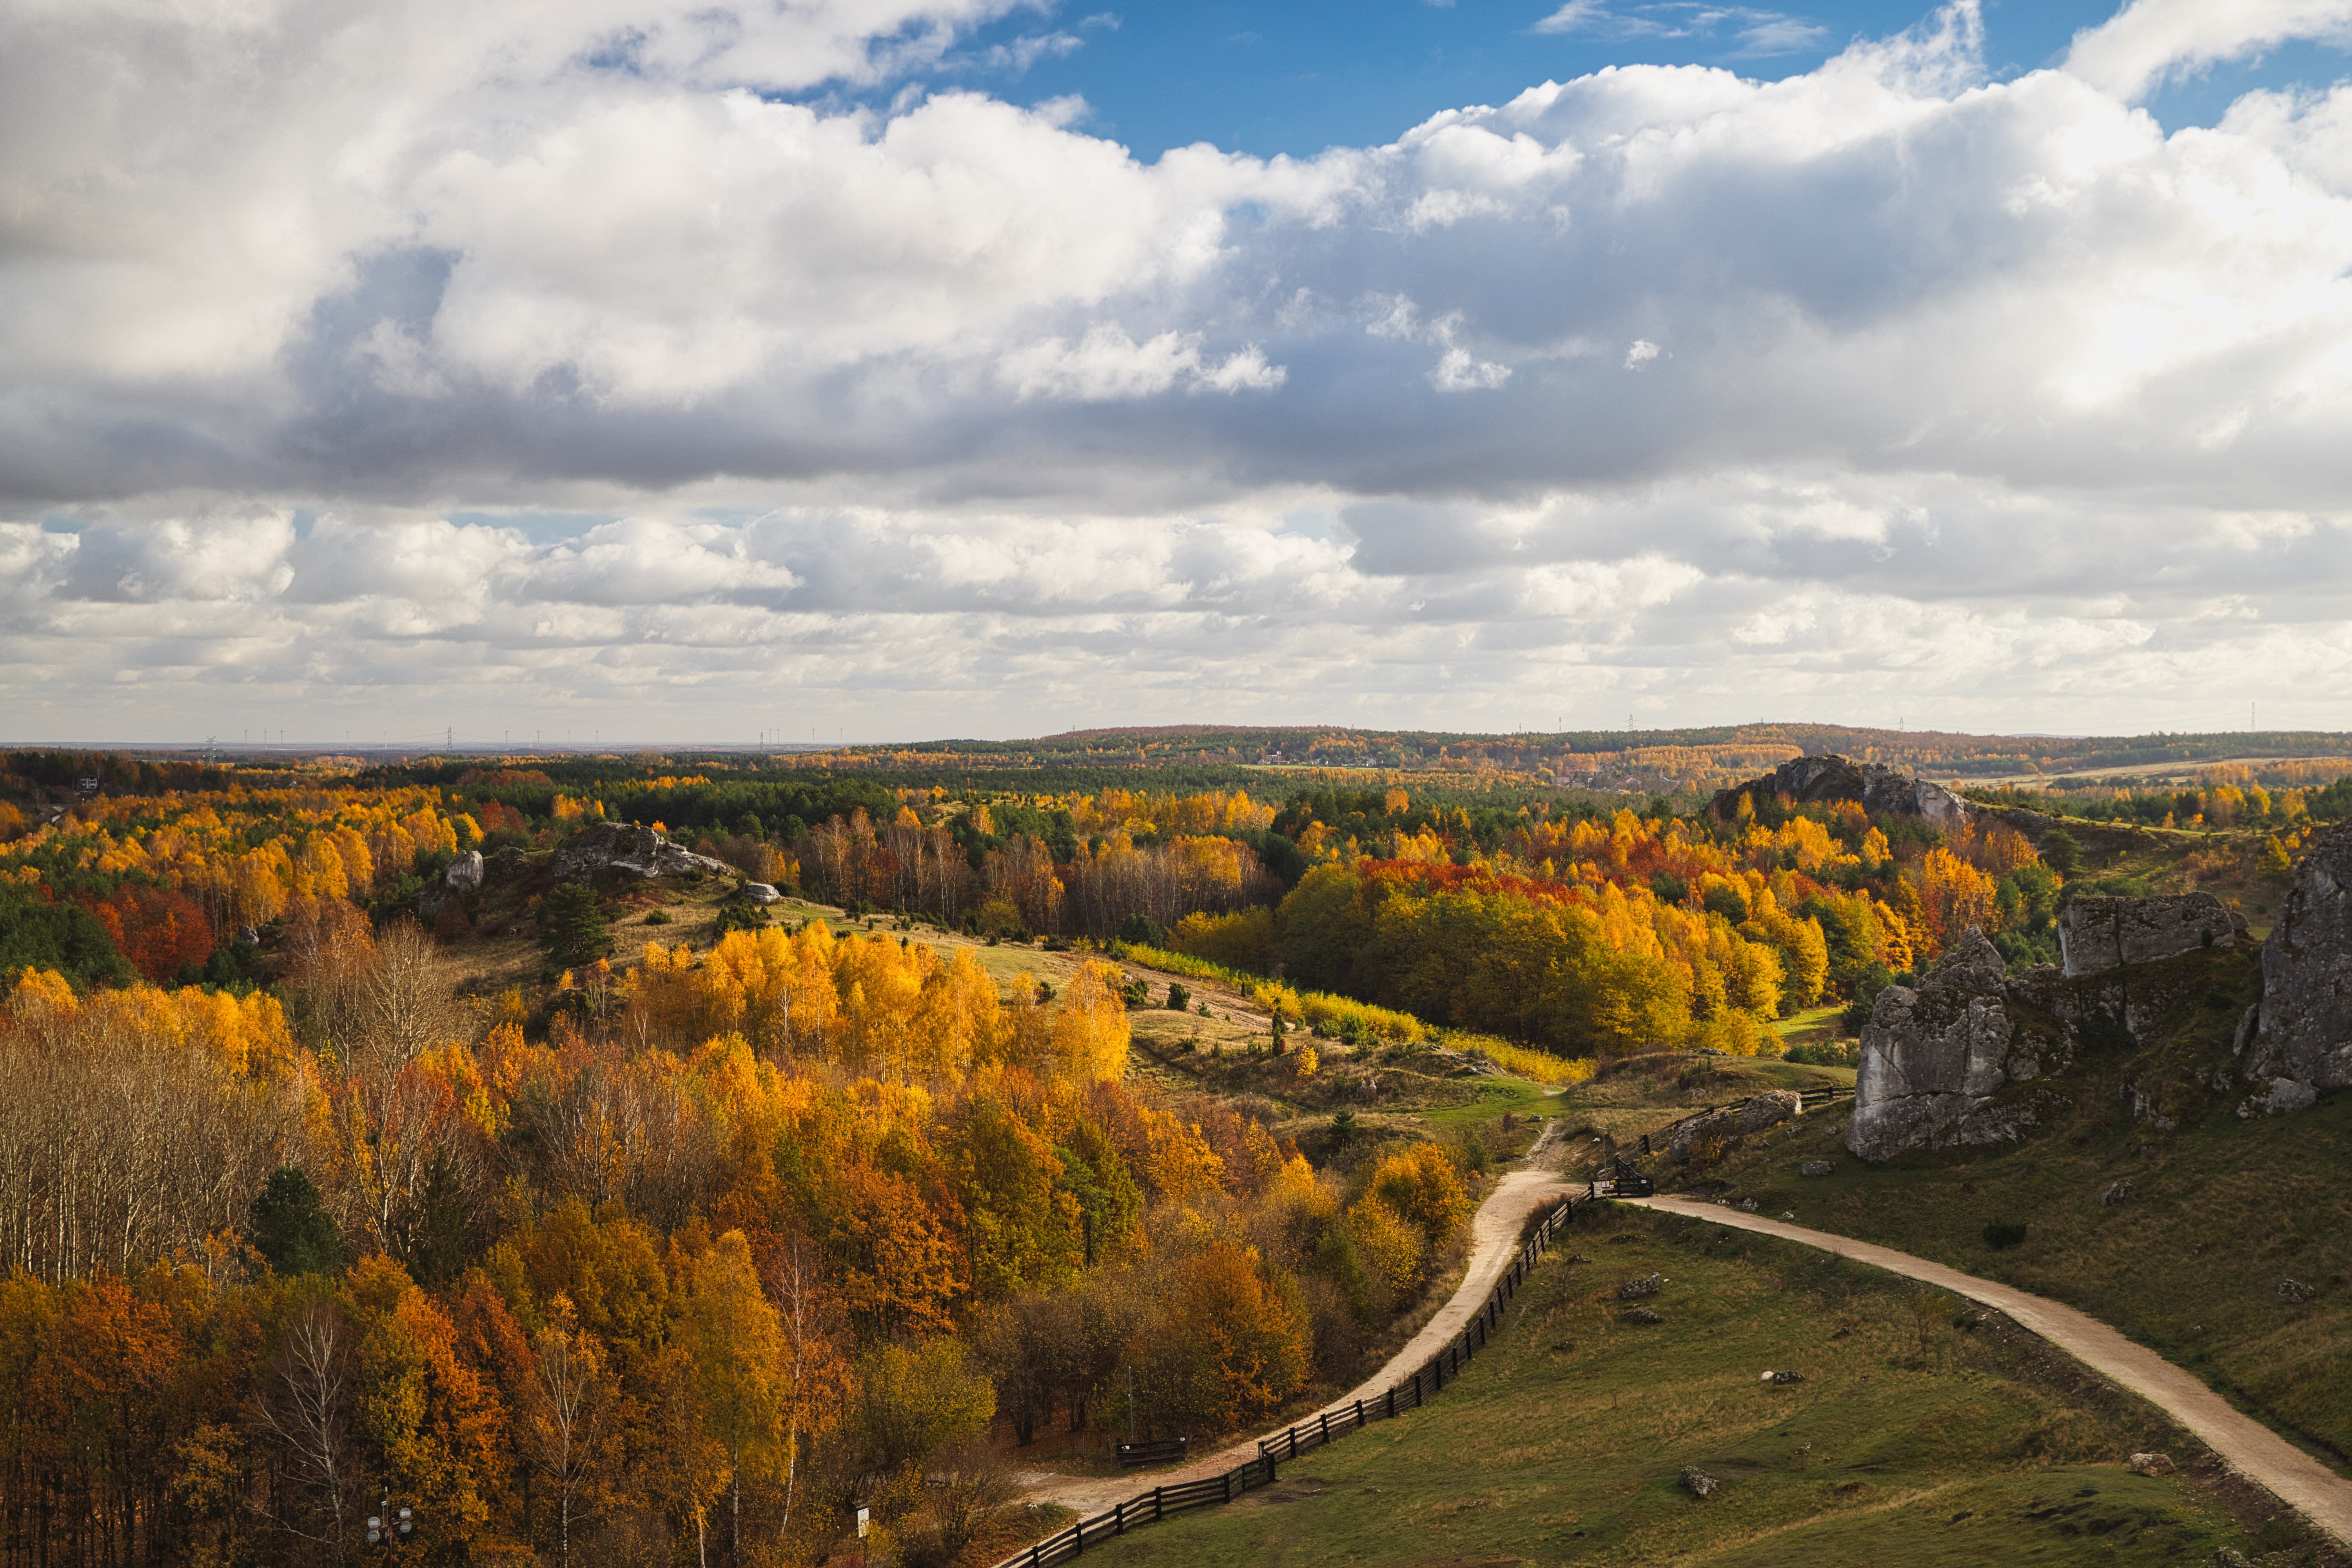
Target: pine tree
[[575, 928], [292, 1229]]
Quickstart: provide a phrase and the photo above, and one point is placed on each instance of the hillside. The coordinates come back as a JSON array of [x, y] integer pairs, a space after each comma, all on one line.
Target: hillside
[[1920, 1434], [2226, 1245]]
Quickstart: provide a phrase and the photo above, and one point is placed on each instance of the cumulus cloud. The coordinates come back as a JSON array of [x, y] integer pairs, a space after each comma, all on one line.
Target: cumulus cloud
[[1883, 378]]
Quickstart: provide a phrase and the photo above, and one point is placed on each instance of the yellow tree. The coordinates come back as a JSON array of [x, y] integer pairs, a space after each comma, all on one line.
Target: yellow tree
[[736, 1345], [817, 1381], [1089, 1030], [563, 1424]]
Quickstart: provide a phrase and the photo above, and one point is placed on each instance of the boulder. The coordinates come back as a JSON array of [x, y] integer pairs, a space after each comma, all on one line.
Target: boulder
[[1752, 1115], [2151, 1464], [2097, 934], [464, 873], [760, 892], [2115, 1193], [1645, 1285], [1818, 1168], [1770, 1109], [1700, 1484], [626, 846], [1823, 780], [2299, 1044]]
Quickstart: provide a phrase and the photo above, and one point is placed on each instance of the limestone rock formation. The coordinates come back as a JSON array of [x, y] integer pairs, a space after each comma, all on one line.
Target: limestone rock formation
[[1820, 780], [464, 873], [1933, 1059], [2300, 1032], [2096, 934], [1753, 1115], [762, 892], [625, 846]]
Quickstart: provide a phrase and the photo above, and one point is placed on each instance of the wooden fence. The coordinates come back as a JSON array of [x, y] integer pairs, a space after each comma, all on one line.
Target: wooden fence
[[1149, 1508]]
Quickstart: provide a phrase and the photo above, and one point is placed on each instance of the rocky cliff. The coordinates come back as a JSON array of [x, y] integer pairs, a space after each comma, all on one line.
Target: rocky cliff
[[2098, 934], [625, 847], [1976, 1056], [2297, 1041], [1825, 780]]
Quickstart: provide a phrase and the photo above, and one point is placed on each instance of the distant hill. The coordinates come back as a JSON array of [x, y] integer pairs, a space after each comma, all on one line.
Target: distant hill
[[1695, 760]]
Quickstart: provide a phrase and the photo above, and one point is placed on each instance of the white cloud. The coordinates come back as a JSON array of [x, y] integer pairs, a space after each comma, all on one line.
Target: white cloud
[[1955, 392], [1107, 365], [1756, 33], [2149, 40]]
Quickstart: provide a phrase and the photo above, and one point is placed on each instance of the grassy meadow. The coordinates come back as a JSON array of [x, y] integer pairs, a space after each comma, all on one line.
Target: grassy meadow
[[1921, 1434]]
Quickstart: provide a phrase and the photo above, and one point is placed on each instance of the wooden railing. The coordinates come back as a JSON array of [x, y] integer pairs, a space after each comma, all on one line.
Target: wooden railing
[[1149, 1508], [1156, 1451]]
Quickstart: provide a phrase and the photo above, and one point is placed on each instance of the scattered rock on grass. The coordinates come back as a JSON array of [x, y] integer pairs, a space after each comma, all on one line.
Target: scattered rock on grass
[[1818, 1168], [1782, 1379], [1646, 1285], [1700, 1484], [1643, 1315], [2294, 1292], [2151, 1464], [2228, 1557], [2115, 1193]]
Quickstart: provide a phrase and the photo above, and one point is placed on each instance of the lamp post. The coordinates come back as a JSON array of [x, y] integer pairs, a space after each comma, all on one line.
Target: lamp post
[[390, 1525]]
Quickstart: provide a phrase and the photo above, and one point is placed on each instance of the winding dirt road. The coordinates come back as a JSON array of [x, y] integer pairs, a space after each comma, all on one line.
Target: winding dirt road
[[1494, 1241], [2248, 1447]]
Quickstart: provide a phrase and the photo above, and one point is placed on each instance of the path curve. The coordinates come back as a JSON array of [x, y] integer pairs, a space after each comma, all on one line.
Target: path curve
[[1494, 1241], [2248, 1447]]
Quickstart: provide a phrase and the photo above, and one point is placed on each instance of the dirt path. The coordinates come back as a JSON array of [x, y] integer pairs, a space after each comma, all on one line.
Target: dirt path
[[2248, 1447], [1494, 1241]]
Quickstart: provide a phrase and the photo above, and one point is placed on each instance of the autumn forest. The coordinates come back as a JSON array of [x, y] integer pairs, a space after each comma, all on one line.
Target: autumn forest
[[366, 1143]]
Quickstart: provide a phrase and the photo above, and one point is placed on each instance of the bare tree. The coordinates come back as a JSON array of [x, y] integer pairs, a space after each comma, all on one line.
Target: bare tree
[[303, 1402]]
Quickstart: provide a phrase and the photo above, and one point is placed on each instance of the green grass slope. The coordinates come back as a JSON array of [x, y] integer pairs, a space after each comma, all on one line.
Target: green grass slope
[[1911, 1441], [2232, 1257]]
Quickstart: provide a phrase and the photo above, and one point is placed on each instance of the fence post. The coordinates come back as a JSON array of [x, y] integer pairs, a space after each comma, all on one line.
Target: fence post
[[1360, 1413], [1391, 1400], [1229, 1486], [1327, 1426]]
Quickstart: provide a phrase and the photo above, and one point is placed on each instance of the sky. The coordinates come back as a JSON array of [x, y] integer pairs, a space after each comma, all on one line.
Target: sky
[[672, 371]]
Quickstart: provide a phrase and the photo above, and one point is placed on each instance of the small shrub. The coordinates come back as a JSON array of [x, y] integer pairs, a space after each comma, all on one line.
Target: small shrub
[[741, 916], [2000, 1233], [1179, 999], [658, 918]]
